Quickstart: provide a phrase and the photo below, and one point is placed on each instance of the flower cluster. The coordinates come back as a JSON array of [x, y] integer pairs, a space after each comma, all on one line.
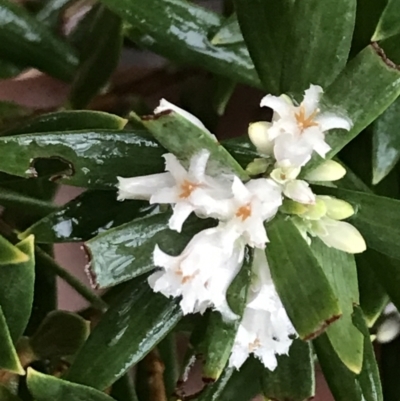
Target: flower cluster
[[201, 275]]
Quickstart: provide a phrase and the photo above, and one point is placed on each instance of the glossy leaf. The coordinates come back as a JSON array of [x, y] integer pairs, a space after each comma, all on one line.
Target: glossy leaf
[[126, 252], [381, 91], [388, 24], [51, 12], [229, 32], [184, 139], [9, 360], [89, 162], [168, 352], [314, 24], [183, 32], [341, 271], [16, 291], [241, 149], [25, 41], [86, 216], [10, 254], [132, 326], [50, 388], [124, 389], [264, 24], [293, 379], [376, 217], [102, 48], [300, 280], [234, 385], [386, 142], [60, 334], [373, 296], [68, 121], [6, 395], [220, 334]]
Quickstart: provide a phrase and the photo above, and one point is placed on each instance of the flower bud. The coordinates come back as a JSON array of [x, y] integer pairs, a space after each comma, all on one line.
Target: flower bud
[[257, 167], [315, 211], [258, 133], [388, 330], [337, 209], [327, 171], [291, 207]]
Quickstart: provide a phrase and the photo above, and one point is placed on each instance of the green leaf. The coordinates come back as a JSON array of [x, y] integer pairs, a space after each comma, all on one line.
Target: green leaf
[[300, 281], [6, 395], [25, 41], [9, 360], [344, 384], [341, 271], [126, 252], [229, 32], [89, 162], [377, 218], [293, 379], [388, 24], [241, 149], [314, 24], [60, 334], [86, 216], [124, 389], [264, 24], [69, 121], [373, 297], [16, 291], [184, 139], [188, 42], [50, 388], [234, 385], [385, 143], [10, 112], [51, 12], [133, 325], [101, 54], [224, 89], [10, 254], [220, 333], [168, 352], [370, 76]]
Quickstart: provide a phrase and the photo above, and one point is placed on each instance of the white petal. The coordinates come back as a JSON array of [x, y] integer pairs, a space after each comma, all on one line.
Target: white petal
[[165, 195], [289, 148], [316, 140], [343, 236], [258, 134], [240, 192], [173, 165], [328, 121], [278, 104], [161, 259], [143, 187], [329, 170], [165, 105], [181, 212], [299, 191], [198, 164], [311, 99]]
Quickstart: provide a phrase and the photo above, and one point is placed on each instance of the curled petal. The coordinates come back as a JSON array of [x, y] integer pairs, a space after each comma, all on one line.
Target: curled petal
[[279, 104], [173, 165], [182, 211], [328, 121], [311, 99], [143, 187]]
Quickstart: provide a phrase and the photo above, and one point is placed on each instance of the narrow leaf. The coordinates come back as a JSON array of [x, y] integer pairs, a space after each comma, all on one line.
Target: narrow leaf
[[50, 388], [10, 254], [293, 379], [229, 32], [184, 139], [126, 252], [300, 280], [388, 24], [133, 325], [25, 41]]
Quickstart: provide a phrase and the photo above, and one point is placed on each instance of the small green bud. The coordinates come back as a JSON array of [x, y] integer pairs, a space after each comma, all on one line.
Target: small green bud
[[337, 209], [257, 167], [316, 211], [291, 207]]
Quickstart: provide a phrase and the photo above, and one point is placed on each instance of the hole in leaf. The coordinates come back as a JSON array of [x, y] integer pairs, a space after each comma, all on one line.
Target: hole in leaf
[[53, 167]]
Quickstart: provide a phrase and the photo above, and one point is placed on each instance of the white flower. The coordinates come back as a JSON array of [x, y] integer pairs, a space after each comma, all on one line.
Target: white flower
[[297, 131], [252, 204], [202, 273], [298, 190], [165, 106], [265, 329], [189, 191]]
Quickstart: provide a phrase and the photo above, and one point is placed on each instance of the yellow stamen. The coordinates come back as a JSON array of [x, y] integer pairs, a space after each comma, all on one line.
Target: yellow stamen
[[306, 122], [255, 345], [244, 212], [187, 188]]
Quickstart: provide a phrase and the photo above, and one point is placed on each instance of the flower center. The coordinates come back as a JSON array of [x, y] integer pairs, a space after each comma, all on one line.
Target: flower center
[[254, 345], [244, 212], [187, 188], [306, 122], [184, 279]]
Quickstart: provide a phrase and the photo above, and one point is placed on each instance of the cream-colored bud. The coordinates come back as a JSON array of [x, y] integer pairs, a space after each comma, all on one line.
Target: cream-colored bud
[[388, 330], [257, 167], [337, 209], [258, 134], [315, 211], [327, 171]]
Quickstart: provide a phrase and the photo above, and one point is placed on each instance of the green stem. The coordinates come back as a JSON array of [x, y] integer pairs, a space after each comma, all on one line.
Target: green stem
[[76, 284]]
